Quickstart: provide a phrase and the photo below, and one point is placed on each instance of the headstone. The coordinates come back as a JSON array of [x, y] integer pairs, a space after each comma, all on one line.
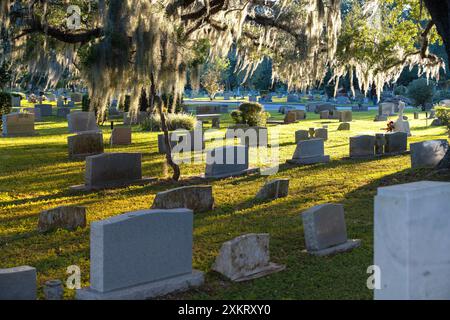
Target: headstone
[[69, 218], [362, 146], [345, 126], [110, 170], [227, 161], [380, 118], [301, 135], [380, 143], [293, 98], [386, 108], [62, 112], [416, 115], [53, 290], [15, 101], [345, 116], [196, 198], [76, 97], [411, 241], [18, 124], [82, 121], [396, 142], [325, 114], [141, 255], [35, 111], [85, 144], [46, 109], [324, 106], [326, 231], [300, 114], [428, 154], [321, 133], [18, 283], [310, 152], [121, 136], [245, 258], [291, 117], [343, 100], [273, 190], [60, 102]]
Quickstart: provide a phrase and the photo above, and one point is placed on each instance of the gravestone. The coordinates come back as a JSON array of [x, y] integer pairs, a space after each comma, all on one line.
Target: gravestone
[[62, 112], [245, 258], [293, 98], [386, 108], [362, 146], [273, 190], [310, 152], [324, 114], [190, 141], [301, 135], [18, 124], [345, 126], [416, 115], [35, 111], [228, 161], [428, 154], [82, 121], [60, 102], [46, 109], [396, 142], [325, 230], [300, 114], [324, 106], [291, 117], [69, 218], [111, 170], [380, 142], [141, 255], [196, 198], [380, 117], [345, 116], [321, 133], [53, 290], [76, 97], [343, 100], [85, 144], [15, 101], [18, 283], [120, 136], [411, 241]]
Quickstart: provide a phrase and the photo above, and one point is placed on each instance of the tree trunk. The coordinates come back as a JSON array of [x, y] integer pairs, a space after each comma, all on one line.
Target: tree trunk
[[440, 14], [175, 167]]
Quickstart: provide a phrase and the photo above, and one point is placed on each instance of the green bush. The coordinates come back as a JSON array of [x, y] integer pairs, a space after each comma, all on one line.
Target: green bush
[[443, 114], [421, 91], [125, 104], [401, 91], [174, 121], [5, 105], [251, 114]]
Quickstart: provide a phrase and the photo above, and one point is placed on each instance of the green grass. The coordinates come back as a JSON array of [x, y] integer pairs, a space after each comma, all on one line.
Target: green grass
[[35, 175]]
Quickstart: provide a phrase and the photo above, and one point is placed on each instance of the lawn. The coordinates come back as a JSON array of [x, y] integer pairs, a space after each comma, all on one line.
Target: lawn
[[35, 175]]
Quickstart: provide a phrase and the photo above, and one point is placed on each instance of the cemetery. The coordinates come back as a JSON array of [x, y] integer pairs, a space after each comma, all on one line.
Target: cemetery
[[128, 183]]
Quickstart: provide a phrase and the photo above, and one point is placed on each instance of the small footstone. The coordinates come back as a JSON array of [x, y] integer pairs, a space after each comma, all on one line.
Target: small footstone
[[344, 126], [53, 290], [245, 258], [69, 218], [274, 189]]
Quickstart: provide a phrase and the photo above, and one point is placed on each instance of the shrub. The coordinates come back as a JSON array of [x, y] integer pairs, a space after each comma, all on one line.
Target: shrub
[[401, 91], [421, 91], [443, 114], [125, 103], [174, 121], [251, 114], [5, 105]]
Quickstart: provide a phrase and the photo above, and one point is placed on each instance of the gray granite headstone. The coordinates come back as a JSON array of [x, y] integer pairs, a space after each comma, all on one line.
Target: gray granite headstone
[[396, 142], [428, 154], [18, 283], [274, 189], [227, 161], [141, 254], [362, 146], [46, 109], [82, 121], [321, 133], [326, 231], [18, 124], [85, 144], [196, 198], [345, 116], [345, 126], [121, 136], [62, 112], [301, 135], [35, 111], [310, 152]]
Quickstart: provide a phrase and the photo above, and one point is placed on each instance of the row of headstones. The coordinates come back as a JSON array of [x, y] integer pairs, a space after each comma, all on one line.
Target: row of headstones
[[148, 253]]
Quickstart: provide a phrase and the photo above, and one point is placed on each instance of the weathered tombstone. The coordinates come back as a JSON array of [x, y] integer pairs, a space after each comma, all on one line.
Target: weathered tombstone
[[60, 102], [69, 218], [324, 106], [121, 136], [53, 290], [428, 154], [416, 115], [35, 111], [345, 116], [386, 108], [310, 152], [273, 190], [76, 97], [396, 142], [85, 144], [62, 112], [381, 117], [46, 109], [228, 161], [18, 124], [345, 126], [245, 258], [362, 146], [321, 133], [411, 241], [325, 114], [291, 117], [300, 114], [140, 255], [196, 198], [301, 135], [110, 170], [82, 121], [325, 230], [293, 98], [18, 283]]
